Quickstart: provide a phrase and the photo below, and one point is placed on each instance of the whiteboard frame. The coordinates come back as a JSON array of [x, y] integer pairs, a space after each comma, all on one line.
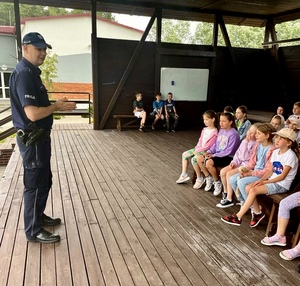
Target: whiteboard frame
[[186, 84]]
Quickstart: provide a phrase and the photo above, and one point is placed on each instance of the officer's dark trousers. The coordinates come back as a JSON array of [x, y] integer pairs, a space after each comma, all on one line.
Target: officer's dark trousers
[[37, 183]]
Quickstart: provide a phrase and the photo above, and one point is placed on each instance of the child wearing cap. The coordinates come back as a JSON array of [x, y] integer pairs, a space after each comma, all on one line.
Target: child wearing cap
[[281, 171]]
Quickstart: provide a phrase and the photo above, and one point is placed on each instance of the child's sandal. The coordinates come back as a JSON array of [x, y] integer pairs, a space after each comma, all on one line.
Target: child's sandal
[[290, 254]]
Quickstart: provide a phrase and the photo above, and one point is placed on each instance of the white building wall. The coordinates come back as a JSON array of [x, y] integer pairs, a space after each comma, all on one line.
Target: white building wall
[[70, 37]]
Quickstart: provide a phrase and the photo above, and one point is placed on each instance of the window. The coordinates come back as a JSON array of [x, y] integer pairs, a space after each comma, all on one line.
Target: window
[[4, 87]]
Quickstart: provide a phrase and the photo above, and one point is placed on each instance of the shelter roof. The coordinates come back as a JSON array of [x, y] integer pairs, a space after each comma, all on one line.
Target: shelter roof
[[237, 12]]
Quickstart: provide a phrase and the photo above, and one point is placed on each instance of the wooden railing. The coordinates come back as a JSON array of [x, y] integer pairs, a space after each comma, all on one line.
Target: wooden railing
[[88, 112], [10, 131]]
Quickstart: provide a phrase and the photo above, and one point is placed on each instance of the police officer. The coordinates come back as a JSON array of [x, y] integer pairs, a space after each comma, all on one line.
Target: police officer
[[32, 117]]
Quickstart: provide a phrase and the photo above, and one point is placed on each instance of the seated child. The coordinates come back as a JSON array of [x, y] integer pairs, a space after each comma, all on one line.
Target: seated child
[[138, 110], [280, 111], [241, 122], [241, 158], [256, 167], [170, 111], [229, 109], [295, 126], [281, 171], [279, 239], [157, 109], [220, 154], [207, 139], [277, 122], [296, 113]]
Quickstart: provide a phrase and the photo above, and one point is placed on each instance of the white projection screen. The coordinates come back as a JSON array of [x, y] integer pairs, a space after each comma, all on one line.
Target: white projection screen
[[184, 83]]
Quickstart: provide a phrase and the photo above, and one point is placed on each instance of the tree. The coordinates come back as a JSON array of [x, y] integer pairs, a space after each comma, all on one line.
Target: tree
[[7, 14], [288, 30], [176, 31], [173, 31], [49, 70]]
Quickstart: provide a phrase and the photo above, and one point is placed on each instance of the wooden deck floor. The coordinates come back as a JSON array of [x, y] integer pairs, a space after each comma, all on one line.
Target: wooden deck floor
[[126, 221]]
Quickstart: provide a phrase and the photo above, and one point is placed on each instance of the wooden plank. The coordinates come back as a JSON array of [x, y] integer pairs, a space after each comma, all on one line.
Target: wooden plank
[[63, 264], [18, 261], [72, 236], [126, 222]]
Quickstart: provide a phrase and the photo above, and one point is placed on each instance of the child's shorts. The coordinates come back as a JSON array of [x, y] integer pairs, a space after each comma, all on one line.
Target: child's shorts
[[222, 161], [189, 154], [274, 188], [138, 114]]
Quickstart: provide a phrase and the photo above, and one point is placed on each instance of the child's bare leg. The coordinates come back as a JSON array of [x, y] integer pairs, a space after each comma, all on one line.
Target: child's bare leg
[[223, 176], [200, 161], [197, 170], [185, 164], [212, 169], [253, 192], [155, 119], [228, 186], [282, 225], [143, 118]]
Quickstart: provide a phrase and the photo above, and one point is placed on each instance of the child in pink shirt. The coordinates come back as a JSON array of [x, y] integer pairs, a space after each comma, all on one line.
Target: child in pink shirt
[[207, 139]]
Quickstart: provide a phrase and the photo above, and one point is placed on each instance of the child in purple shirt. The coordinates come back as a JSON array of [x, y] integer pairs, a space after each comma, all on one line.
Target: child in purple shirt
[[241, 158], [221, 153]]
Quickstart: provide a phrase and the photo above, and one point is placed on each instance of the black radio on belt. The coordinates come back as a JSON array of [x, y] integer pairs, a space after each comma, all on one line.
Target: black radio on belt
[[35, 135], [32, 137]]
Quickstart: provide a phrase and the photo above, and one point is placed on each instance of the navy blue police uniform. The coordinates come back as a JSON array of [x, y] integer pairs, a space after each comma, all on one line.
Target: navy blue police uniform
[[26, 88]]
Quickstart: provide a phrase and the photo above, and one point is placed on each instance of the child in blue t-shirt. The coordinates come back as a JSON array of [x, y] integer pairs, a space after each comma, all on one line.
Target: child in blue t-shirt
[[157, 109]]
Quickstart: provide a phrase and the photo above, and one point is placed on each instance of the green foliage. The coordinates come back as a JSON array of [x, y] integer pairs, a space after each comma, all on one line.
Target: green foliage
[[49, 70], [11, 136], [203, 34], [90, 111], [288, 30], [173, 31], [57, 117], [240, 36], [7, 14]]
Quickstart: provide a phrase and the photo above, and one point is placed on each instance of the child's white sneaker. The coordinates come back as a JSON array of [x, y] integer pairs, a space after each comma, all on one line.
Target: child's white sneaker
[[182, 179], [209, 183], [199, 183], [217, 187]]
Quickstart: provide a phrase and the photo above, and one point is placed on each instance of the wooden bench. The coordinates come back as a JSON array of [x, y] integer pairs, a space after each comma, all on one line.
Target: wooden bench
[[127, 124]]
